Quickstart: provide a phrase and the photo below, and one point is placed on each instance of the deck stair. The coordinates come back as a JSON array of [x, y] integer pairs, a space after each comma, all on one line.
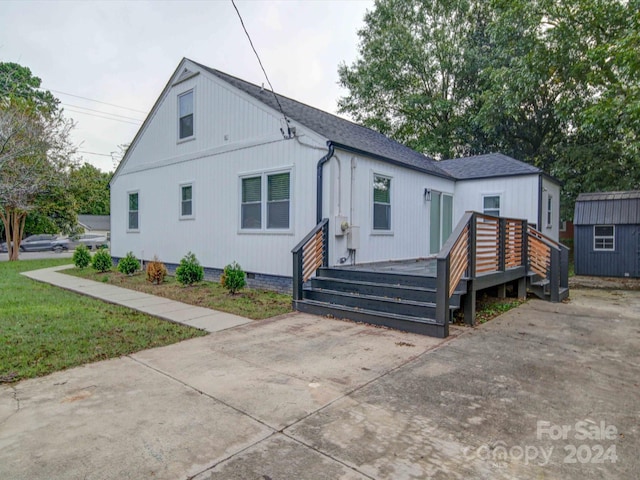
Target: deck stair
[[401, 301]]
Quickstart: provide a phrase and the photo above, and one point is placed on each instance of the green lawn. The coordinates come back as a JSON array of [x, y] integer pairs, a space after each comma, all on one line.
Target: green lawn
[[44, 329], [249, 303]]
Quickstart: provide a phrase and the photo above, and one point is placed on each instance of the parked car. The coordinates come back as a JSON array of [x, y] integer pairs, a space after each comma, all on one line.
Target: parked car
[[92, 241], [36, 243]]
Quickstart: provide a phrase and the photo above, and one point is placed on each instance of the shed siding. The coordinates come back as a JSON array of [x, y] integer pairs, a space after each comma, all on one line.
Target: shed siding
[[623, 261]]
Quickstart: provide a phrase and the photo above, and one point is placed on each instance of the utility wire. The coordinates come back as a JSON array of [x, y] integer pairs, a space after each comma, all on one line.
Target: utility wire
[[94, 153], [102, 112], [100, 116], [97, 101], [261, 66]]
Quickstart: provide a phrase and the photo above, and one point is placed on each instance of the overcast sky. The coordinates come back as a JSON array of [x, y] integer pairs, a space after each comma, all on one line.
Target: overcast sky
[[123, 53]]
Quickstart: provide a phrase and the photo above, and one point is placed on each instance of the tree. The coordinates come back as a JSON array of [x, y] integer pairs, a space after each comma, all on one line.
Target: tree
[[90, 188], [554, 83], [35, 152]]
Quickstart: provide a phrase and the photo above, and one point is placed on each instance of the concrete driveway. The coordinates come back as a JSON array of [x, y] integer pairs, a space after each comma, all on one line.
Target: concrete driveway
[[303, 397]]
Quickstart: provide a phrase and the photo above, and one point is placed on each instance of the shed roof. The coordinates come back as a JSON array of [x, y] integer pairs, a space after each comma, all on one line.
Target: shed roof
[[607, 208]]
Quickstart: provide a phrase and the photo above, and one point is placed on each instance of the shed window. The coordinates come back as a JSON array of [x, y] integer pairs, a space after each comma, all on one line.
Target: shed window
[[604, 237], [186, 201], [491, 205], [381, 203], [133, 211], [185, 115]]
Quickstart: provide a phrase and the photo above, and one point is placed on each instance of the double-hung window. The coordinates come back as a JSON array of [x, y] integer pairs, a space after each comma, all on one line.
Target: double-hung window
[[604, 237], [134, 223], [381, 203], [185, 115], [549, 211], [266, 201], [491, 205], [186, 201]]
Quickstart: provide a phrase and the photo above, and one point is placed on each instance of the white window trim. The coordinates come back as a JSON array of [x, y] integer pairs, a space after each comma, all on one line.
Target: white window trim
[[193, 203], [549, 211], [264, 174], [613, 237], [129, 193], [497, 194], [193, 135], [373, 231]]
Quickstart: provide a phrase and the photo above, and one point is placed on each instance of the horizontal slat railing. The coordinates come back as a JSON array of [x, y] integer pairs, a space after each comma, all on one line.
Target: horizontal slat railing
[[550, 260], [310, 254]]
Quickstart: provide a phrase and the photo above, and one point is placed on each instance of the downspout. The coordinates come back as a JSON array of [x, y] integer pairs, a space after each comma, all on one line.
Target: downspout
[[539, 225], [321, 162]]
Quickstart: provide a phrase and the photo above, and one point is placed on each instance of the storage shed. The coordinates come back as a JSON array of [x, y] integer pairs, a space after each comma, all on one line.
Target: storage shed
[[607, 234]]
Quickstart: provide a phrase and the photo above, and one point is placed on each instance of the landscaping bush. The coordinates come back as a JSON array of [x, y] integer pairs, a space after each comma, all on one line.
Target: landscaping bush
[[189, 271], [233, 278], [102, 261], [129, 264], [156, 271], [81, 257]]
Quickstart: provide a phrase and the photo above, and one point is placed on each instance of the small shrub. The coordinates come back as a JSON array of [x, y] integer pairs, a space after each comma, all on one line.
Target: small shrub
[[129, 264], [81, 257], [156, 271], [189, 271], [233, 278], [102, 261]]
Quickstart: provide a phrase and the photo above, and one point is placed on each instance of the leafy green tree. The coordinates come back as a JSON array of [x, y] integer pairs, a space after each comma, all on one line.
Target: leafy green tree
[[554, 83], [90, 188], [35, 152]]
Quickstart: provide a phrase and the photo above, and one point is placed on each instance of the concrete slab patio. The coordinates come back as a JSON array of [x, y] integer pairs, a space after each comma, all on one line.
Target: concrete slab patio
[[304, 397]]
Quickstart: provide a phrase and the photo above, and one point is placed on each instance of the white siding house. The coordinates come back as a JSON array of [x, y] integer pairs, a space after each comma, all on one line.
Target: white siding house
[[219, 170]]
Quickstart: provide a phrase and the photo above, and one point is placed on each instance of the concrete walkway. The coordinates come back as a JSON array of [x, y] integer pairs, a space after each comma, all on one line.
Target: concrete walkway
[[178, 312]]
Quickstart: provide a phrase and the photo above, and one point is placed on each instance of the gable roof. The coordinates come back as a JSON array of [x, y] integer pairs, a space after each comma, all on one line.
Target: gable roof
[[341, 132], [608, 208], [95, 222], [485, 166]]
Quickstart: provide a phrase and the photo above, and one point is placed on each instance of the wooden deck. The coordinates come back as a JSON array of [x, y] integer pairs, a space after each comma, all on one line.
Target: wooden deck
[[426, 267]]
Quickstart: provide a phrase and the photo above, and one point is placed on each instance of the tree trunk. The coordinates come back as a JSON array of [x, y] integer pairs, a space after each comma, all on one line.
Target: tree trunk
[[13, 222]]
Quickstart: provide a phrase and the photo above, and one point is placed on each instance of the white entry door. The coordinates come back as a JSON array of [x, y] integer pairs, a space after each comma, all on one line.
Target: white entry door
[[441, 220]]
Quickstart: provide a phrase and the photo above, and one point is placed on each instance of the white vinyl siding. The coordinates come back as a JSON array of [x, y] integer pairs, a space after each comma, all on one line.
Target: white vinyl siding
[[381, 203], [185, 115], [266, 212], [186, 201], [491, 205], [604, 237], [133, 211]]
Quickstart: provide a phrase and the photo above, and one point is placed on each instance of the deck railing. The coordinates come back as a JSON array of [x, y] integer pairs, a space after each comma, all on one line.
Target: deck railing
[[496, 250], [310, 254]]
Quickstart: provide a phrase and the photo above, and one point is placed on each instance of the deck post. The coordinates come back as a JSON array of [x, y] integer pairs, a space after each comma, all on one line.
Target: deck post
[[554, 280], [502, 290], [525, 247], [502, 244], [442, 294], [325, 245], [472, 246], [470, 304], [297, 275], [564, 267], [522, 288]]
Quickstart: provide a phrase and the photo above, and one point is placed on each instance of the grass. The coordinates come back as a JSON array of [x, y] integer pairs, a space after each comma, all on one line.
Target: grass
[[44, 329], [490, 307], [249, 303]]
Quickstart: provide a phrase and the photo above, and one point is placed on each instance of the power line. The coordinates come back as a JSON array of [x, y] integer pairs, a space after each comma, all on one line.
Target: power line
[[103, 112], [100, 116], [97, 101], [94, 153], [262, 67]]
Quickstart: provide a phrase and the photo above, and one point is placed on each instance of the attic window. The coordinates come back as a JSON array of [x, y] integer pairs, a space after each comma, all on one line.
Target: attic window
[[185, 115]]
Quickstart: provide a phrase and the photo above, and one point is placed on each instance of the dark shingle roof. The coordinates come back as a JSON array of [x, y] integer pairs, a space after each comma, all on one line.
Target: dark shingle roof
[[95, 222], [338, 130], [608, 208], [485, 166]]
